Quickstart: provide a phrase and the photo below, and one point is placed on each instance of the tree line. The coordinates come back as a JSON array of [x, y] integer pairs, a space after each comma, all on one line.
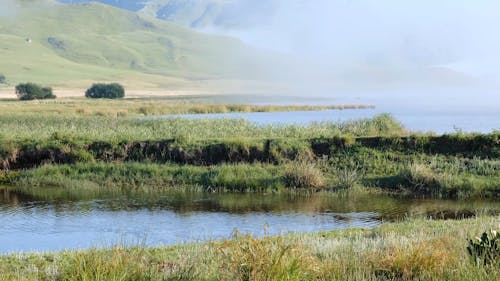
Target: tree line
[[32, 91]]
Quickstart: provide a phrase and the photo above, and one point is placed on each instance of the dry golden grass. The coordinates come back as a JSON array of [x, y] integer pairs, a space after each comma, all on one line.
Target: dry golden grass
[[145, 107]]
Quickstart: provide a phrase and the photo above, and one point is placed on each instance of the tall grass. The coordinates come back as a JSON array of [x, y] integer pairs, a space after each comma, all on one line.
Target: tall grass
[[109, 128], [241, 177], [149, 107], [453, 179], [393, 173], [411, 250]]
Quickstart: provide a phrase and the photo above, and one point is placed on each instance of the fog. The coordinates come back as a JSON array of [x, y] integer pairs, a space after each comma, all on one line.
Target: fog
[[8, 8], [372, 43]]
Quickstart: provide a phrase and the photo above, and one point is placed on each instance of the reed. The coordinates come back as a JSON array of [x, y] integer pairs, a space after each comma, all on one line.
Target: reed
[[149, 107]]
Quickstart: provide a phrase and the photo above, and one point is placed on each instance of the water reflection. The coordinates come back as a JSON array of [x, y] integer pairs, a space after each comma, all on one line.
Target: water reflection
[[53, 219]]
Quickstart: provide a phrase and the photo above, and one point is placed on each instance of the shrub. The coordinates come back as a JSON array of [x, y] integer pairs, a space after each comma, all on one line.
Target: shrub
[[3, 80], [105, 91], [31, 91], [422, 179], [302, 174], [485, 250], [347, 178]]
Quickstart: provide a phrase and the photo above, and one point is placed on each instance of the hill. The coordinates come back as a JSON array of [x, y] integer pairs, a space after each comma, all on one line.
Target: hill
[[194, 13], [55, 43]]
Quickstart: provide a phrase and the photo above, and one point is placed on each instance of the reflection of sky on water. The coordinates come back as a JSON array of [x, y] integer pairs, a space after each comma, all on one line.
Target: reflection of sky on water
[[53, 223]]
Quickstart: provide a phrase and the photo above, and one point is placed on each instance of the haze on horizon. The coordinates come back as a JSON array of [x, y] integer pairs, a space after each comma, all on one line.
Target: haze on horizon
[[366, 45]]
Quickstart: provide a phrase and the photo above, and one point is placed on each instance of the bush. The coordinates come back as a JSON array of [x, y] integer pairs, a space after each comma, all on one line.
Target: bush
[[105, 91], [31, 91], [485, 250], [302, 174], [3, 80]]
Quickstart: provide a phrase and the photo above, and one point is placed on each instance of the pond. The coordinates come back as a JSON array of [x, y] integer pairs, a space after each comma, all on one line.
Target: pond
[[52, 219]]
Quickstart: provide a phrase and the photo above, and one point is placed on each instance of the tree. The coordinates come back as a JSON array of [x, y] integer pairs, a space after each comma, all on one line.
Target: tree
[[3, 80], [105, 91], [31, 91]]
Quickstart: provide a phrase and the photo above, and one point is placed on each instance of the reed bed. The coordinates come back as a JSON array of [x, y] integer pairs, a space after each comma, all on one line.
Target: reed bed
[[377, 174], [39, 127], [145, 107]]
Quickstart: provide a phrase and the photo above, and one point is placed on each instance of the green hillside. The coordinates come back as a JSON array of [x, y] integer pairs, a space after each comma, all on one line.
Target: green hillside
[[63, 44]]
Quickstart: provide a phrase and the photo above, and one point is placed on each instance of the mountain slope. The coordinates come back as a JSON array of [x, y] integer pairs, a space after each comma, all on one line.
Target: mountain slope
[[199, 13], [51, 42]]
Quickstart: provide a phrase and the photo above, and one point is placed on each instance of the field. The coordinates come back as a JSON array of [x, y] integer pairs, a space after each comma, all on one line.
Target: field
[[412, 250]]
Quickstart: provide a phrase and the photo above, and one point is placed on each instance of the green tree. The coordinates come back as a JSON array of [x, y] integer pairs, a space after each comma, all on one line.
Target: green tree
[[105, 91], [3, 80], [31, 91]]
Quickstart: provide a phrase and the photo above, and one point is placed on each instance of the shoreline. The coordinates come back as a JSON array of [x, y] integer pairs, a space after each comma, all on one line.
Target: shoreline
[[412, 249]]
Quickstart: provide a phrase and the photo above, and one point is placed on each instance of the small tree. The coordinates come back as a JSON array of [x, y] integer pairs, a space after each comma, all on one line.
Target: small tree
[[105, 91], [31, 91], [3, 80]]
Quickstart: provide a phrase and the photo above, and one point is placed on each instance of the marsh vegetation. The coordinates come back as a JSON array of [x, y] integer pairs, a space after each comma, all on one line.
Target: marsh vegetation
[[411, 250], [236, 155], [70, 148]]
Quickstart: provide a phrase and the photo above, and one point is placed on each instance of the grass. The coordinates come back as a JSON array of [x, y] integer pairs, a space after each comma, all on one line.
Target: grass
[[240, 177], [103, 128], [237, 155], [411, 250], [146, 107], [390, 176], [95, 42]]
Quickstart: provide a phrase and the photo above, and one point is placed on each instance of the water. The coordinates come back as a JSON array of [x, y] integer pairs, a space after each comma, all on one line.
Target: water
[[485, 122], [53, 219], [437, 110]]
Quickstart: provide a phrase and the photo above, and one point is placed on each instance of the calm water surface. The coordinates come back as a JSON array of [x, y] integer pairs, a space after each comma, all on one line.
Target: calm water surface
[[437, 110], [54, 219]]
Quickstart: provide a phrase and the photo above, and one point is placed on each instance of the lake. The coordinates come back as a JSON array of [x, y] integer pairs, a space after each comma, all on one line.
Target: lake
[[439, 110], [53, 219]]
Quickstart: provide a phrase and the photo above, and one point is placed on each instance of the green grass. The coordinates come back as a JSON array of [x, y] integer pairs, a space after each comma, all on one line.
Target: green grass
[[375, 153], [72, 44], [236, 155], [42, 127], [373, 174], [411, 250], [243, 177]]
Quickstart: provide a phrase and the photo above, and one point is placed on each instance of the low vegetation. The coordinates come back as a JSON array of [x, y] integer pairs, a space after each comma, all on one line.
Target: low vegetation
[[411, 250], [31, 91], [236, 155], [150, 107], [485, 250], [105, 91], [3, 79], [42, 127]]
